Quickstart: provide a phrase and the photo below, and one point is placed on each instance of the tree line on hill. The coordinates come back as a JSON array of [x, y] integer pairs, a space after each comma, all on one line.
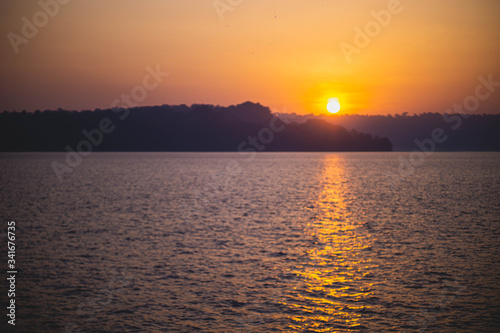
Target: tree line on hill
[[199, 127]]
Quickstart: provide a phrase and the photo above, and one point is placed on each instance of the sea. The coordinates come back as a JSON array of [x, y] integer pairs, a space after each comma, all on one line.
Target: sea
[[252, 242]]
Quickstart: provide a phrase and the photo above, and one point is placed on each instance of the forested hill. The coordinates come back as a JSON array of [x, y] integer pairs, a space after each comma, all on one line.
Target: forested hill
[[243, 127]]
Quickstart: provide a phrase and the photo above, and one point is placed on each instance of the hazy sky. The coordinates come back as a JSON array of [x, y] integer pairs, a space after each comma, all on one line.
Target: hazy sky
[[425, 56]]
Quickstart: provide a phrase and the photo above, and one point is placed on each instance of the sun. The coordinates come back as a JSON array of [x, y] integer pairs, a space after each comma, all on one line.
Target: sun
[[333, 105]]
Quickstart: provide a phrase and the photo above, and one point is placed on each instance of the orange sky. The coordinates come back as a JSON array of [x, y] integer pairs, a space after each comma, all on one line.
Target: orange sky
[[284, 54]]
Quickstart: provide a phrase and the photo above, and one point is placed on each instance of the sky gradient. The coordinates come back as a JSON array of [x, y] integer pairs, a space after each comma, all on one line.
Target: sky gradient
[[288, 55]]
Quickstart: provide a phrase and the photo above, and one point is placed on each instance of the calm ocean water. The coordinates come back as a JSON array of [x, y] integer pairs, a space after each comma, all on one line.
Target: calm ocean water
[[286, 242]]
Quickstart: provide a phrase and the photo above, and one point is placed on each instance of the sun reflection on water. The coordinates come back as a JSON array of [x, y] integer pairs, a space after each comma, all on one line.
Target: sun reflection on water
[[334, 272]]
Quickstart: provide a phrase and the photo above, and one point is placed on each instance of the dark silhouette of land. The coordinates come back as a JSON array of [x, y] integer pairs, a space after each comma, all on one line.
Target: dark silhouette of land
[[244, 127], [461, 132]]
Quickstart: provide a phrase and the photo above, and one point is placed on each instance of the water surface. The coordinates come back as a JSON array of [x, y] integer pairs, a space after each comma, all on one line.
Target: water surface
[[285, 242]]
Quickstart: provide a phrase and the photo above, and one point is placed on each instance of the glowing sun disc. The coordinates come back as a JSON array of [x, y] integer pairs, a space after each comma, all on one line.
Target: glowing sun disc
[[333, 105]]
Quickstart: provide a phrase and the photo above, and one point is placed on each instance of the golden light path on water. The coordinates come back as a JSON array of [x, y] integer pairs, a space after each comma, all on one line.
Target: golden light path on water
[[334, 285]]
